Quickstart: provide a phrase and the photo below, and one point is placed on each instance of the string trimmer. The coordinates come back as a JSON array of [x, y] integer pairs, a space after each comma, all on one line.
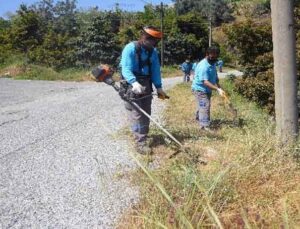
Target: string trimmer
[[104, 73]]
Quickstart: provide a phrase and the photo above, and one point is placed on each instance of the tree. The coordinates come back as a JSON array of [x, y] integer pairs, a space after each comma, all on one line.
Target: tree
[[65, 18], [248, 40], [115, 21], [192, 23], [4, 24], [45, 9], [26, 32], [188, 38], [56, 51], [85, 18], [128, 34], [60, 31], [180, 46], [254, 8], [98, 44], [5, 44], [218, 10]]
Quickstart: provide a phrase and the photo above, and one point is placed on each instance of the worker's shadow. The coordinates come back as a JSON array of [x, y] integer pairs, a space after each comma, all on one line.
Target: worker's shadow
[[183, 136], [158, 139], [219, 123]]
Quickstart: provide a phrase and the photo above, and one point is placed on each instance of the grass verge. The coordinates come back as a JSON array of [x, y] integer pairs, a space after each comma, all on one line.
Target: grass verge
[[18, 70], [247, 183], [36, 72], [171, 71]]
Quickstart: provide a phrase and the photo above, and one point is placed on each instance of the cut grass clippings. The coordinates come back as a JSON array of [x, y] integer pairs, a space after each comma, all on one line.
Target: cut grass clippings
[[247, 181]]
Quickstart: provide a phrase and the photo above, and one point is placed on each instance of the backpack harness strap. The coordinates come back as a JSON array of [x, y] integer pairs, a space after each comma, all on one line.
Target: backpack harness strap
[[147, 62]]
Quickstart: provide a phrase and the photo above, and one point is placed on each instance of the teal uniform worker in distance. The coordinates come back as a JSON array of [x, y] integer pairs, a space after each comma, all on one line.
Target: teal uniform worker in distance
[[220, 64], [140, 68], [186, 68]]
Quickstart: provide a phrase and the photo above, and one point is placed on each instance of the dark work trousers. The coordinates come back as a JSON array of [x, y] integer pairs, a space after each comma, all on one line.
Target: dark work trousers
[[139, 122], [186, 77], [203, 104]]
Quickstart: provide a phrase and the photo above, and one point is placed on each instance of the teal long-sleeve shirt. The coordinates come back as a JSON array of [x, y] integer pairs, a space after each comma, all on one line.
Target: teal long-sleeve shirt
[[129, 64], [204, 71]]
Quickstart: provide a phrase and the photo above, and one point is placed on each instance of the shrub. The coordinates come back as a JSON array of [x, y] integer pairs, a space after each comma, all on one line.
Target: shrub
[[251, 42], [248, 40], [261, 64], [259, 89]]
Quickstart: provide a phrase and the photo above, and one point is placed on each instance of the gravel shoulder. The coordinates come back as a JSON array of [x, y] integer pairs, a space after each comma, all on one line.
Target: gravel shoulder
[[59, 159]]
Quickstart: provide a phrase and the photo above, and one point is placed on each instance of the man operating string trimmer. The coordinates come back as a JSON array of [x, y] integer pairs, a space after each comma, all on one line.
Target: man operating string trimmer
[[140, 68]]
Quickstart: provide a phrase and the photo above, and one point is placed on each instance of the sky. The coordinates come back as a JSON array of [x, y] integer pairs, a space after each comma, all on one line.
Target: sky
[[130, 5]]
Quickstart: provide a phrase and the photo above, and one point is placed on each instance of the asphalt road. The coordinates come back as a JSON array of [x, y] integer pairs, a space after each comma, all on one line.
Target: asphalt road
[[60, 161]]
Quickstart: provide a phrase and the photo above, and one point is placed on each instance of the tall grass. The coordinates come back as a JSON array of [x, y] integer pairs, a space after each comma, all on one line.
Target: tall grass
[[248, 182], [36, 72], [171, 71], [12, 60], [15, 66], [19, 70]]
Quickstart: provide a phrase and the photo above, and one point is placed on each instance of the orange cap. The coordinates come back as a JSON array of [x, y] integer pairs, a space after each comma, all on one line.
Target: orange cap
[[153, 32]]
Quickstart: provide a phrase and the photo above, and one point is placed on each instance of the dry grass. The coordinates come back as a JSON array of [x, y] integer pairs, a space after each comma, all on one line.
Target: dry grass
[[36, 72], [247, 183], [11, 71], [171, 71]]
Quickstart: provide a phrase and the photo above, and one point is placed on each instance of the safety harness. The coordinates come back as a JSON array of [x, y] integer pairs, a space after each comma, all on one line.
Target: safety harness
[[144, 80], [142, 64]]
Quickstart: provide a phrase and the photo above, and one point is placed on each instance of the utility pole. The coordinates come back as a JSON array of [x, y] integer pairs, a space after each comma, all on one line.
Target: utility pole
[[162, 30], [210, 32], [210, 25], [284, 51], [117, 6]]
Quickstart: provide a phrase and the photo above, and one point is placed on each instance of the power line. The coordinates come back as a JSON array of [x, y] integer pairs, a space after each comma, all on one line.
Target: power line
[[146, 2]]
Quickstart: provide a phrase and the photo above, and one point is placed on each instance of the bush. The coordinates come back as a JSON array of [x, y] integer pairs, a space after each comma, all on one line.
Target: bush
[[259, 89], [254, 8], [261, 64], [251, 44], [248, 40], [56, 52]]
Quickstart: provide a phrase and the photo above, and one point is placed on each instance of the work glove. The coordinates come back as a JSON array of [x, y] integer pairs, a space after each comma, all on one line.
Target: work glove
[[161, 94], [137, 88], [221, 92]]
